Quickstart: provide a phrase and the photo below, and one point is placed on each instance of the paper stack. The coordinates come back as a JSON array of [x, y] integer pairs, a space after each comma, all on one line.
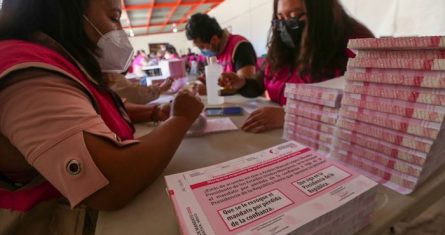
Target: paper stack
[[205, 126], [392, 114], [173, 68], [284, 189], [312, 113]]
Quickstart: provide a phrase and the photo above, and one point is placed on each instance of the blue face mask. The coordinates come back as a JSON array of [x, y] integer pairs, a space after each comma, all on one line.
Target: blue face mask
[[208, 53]]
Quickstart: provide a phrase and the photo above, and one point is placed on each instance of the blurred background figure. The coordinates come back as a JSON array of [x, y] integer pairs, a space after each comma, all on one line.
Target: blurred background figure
[[171, 52], [152, 59], [139, 62]]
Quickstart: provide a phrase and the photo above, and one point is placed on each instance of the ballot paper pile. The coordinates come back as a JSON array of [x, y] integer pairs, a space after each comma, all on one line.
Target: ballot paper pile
[[390, 124], [286, 189], [312, 113]]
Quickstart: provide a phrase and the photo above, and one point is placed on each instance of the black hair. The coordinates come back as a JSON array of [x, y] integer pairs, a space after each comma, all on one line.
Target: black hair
[[203, 27], [62, 20], [328, 30], [171, 49]]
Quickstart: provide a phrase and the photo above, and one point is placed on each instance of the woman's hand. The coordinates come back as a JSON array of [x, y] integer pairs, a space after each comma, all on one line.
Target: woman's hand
[[264, 119], [162, 113], [199, 88], [187, 105], [231, 81]]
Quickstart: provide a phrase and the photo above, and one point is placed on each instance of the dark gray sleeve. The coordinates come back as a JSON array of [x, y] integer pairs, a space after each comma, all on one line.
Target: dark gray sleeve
[[254, 87], [244, 56]]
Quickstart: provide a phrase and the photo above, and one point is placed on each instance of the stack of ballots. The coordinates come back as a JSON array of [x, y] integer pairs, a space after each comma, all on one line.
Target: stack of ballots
[[312, 113], [286, 189], [391, 120]]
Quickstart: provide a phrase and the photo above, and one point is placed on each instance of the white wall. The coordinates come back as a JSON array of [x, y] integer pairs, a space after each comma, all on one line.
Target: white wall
[[400, 17], [249, 18], [178, 40], [420, 17], [380, 20]]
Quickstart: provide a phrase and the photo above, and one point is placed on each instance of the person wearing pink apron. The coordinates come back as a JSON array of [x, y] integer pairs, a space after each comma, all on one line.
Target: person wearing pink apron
[[67, 147], [305, 46], [233, 52]]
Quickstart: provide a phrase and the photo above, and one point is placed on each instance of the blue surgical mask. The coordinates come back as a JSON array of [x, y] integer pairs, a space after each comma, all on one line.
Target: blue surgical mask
[[208, 53]]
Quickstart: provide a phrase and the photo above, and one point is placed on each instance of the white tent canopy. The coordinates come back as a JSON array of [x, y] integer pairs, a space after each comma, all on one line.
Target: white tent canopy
[[251, 18]]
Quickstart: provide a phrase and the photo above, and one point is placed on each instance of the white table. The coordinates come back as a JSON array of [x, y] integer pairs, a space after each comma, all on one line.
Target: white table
[[152, 213]]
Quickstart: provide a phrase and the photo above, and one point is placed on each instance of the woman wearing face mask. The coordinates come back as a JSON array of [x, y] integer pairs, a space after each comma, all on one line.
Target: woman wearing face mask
[[65, 138], [307, 44]]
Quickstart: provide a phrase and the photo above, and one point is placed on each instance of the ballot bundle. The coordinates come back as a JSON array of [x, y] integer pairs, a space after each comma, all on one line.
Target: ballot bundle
[[390, 122], [286, 189], [174, 68], [312, 113]]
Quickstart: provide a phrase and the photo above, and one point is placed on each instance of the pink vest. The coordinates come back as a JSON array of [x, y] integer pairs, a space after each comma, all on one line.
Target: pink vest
[[275, 82], [17, 55], [226, 57]]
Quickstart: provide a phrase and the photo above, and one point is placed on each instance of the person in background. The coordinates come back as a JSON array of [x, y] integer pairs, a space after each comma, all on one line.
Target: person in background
[[134, 92], [152, 59], [139, 62], [307, 44], [234, 52], [67, 146], [171, 53], [160, 55], [137, 92]]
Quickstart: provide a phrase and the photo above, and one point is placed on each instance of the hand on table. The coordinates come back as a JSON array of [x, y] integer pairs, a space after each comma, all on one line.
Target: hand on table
[[264, 119]]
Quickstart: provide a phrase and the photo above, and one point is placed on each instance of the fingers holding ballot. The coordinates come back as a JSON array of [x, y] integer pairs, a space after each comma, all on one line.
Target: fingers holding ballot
[[231, 81]]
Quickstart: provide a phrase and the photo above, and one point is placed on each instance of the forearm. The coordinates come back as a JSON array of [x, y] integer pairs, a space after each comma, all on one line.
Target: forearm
[[139, 94], [140, 113], [247, 72], [133, 168], [155, 150], [253, 87]]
